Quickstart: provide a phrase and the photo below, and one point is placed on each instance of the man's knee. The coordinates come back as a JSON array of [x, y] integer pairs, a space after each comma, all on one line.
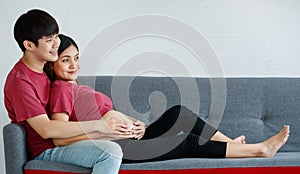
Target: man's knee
[[109, 147]]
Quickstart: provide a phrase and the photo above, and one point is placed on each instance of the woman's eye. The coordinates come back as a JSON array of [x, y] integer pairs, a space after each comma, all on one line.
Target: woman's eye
[[65, 60], [76, 58]]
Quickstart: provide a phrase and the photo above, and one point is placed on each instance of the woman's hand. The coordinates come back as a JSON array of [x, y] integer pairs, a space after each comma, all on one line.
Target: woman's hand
[[139, 129]]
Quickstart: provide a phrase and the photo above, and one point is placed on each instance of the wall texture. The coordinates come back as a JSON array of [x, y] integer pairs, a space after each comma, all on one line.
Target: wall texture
[[232, 38]]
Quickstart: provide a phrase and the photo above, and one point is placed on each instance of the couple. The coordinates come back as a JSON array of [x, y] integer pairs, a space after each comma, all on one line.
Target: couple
[[62, 126]]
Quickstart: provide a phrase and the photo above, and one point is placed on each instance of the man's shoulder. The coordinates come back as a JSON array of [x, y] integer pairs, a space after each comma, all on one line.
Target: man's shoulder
[[20, 75], [17, 72], [21, 71]]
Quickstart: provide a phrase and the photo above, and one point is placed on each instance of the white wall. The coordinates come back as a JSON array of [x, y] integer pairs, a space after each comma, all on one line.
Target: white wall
[[256, 38]]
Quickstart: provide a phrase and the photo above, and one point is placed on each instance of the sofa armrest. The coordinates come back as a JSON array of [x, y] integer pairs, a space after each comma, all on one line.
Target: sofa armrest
[[14, 138]]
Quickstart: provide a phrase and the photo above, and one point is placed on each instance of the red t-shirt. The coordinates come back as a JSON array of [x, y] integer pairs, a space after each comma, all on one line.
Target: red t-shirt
[[26, 95], [80, 102]]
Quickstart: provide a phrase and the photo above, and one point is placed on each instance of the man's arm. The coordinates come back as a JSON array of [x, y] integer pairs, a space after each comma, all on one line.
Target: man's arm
[[93, 135], [47, 128], [89, 136]]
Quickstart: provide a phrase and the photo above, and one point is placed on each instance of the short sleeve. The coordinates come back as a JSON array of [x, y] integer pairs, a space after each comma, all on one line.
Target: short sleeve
[[26, 100], [61, 99], [107, 104]]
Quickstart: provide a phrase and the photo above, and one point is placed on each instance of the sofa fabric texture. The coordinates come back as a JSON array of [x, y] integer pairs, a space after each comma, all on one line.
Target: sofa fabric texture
[[255, 107]]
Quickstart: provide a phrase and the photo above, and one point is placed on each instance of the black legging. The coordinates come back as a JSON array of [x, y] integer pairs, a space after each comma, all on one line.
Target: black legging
[[178, 133]]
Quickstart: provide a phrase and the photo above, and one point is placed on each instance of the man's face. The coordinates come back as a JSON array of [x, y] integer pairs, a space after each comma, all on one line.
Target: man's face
[[47, 48]]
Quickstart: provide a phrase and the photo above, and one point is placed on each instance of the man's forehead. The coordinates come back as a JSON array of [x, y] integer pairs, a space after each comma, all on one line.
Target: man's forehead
[[50, 36]]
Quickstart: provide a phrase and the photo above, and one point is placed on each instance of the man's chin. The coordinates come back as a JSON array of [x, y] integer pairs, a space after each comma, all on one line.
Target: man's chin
[[53, 59]]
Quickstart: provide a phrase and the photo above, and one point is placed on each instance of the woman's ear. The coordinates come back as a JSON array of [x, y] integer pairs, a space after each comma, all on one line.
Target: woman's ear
[[28, 45]]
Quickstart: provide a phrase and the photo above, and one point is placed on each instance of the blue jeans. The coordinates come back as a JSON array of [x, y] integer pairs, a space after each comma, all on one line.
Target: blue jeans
[[101, 155]]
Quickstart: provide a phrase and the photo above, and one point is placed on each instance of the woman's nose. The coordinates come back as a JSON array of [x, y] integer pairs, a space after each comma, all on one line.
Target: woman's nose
[[73, 64]]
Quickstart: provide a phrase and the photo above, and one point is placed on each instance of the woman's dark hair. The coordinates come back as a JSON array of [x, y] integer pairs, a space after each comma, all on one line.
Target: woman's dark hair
[[33, 25], [65, 42]]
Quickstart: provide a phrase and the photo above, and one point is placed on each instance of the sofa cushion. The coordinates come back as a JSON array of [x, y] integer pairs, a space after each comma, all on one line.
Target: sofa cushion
[[53, 166], [282, 159], [289, 161], [281, 163]]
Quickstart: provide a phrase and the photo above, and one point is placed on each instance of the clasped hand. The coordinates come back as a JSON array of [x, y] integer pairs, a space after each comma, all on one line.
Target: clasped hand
[[120, 125]]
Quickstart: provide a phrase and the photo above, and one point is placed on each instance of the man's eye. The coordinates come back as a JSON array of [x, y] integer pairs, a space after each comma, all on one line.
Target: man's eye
[[76, 58]]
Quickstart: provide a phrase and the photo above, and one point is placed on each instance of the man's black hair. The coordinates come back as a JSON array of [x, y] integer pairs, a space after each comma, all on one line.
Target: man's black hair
[[33, 25]]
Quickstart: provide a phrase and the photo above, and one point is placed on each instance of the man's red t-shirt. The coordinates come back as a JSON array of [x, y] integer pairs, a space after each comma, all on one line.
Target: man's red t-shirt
[[80, 102], [26, 95]]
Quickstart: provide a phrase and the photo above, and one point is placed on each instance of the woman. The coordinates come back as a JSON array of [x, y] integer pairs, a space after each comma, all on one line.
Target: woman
[[68, 104]]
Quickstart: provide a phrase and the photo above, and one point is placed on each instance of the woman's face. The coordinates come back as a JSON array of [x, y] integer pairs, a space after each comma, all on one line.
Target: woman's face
[[67, 65]]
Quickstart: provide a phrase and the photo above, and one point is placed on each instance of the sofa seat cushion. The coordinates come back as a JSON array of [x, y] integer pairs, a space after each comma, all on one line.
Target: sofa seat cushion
[[246, 170], [283, 161], [45, 167]]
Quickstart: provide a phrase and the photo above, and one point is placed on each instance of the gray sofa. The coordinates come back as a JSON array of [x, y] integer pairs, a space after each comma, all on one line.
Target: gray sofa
[[255, 107]]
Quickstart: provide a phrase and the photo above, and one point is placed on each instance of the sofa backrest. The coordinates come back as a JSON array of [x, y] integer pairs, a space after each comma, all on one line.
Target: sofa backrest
[[255, 107]]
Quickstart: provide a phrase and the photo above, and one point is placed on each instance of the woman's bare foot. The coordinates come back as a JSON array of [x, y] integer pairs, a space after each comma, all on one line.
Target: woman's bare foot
[[273, 144], [241, 139]]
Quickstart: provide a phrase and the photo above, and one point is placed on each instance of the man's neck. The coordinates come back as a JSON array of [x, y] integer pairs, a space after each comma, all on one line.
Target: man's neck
[[32, 63]]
